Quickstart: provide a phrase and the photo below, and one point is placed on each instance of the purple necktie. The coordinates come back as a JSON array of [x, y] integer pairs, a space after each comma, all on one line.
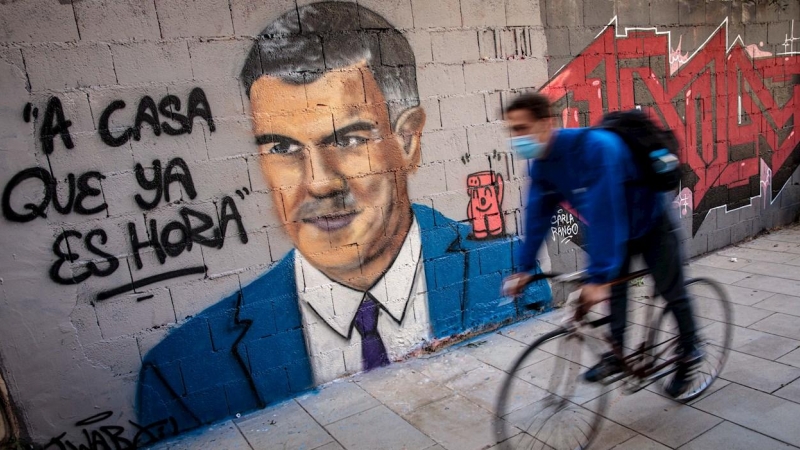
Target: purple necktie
[[373, 353]]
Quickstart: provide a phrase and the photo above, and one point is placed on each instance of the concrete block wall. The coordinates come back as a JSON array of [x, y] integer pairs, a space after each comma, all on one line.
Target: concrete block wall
[[105, 174], [100, 158]]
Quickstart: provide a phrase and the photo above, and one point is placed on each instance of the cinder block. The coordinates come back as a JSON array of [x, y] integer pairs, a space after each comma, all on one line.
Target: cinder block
[[777, 32], [480, 13], [719, 239], [37, 21], [463, 110], [455, 46], [120, 356], [279, 243], [488, 44], [557, 41], [458, 170], [69, 66], [580, 38], [220, 178], [187, 18], [716, 12], [427, 181], [124, 316], [149, 339], [487, 138], [428, 14], [232, 137], [664, 13], [106, 20], [142, 62], [394, 50], [435, 80], [527, 73], [84, 319], [755, 34], [420, 42], [219, 58], [692, 13], [727, 219], [742, 231], [236, 256], [631, 13], [452, 204], [13, 84], [433, 117], [444, 145], [566, 13], [396, 12], [556, 63], [193, 297], [224, 97], [523, 12], [250, 17], [486, 76], [600, 13], [259, 212], [494, 106]]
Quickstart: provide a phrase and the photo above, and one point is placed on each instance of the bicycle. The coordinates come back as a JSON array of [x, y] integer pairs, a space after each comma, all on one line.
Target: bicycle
[[570, 414]]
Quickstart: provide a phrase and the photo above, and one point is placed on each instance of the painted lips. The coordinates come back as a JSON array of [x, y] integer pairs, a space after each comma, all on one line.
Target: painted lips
[[332, 222]]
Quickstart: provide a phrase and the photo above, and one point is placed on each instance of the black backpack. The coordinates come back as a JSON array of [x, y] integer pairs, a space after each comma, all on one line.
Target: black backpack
[[654, 149]]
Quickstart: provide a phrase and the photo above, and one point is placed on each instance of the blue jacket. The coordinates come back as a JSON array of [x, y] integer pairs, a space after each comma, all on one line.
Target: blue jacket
[[248, 350], [593, 170]]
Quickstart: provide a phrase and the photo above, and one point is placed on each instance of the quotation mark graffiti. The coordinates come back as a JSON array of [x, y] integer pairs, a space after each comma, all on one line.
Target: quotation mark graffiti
[[239, 192], [30, 111]]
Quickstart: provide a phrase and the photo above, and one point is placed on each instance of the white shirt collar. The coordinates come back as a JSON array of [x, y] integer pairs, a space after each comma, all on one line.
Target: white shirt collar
[[337, 304]]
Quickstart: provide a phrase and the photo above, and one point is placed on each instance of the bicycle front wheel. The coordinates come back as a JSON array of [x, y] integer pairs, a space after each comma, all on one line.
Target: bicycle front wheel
[[566, 413]]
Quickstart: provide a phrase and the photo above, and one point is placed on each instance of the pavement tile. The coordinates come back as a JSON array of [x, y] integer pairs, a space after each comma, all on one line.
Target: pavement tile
[[792, 358], [446, 366], [335, 401], [222, 436], [780, 324], [770, 284], [521, 441], [483, 385], [724, 276], [774, 246], [743, 315], [790, 392], [376, 428], [772, 269], [402, 389], [721, 261], [791, 236], [764, 413], [666, 421], [456, 424], [612, 435], [757, 373], [284, 426], [755, 254], [736, 294], [542, 375], [787, 304], [495, 349], [730, 436], [754, 342], [794, 262], [529, 330], [331, 446], [640, 442]]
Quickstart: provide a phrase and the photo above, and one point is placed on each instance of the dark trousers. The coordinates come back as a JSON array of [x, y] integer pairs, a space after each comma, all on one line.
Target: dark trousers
[[661, 250]]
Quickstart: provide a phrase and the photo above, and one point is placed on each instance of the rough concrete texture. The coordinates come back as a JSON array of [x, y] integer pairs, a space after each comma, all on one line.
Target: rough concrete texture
[[135, 197]]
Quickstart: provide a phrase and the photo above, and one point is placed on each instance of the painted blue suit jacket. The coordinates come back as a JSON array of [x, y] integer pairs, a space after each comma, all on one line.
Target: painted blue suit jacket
[[249, 350]]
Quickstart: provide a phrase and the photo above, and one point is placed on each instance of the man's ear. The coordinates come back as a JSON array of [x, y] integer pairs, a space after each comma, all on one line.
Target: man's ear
[[408, 129]]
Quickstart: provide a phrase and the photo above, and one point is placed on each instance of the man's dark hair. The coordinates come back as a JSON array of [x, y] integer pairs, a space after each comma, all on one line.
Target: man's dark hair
[[302, 44], [537, 104]]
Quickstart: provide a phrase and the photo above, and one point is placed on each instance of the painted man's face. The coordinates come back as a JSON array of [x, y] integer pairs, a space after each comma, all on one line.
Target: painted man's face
[[337, 168]]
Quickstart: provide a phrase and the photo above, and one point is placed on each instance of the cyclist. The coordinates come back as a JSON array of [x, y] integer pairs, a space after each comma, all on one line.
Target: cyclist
[[594, 171]]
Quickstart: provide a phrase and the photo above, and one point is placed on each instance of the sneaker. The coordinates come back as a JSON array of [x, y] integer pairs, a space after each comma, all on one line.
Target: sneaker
[[680, 382], [608, 365]]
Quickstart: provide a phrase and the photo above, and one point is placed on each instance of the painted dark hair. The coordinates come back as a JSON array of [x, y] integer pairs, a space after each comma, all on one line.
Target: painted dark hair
[[302, 44], [537, 104]]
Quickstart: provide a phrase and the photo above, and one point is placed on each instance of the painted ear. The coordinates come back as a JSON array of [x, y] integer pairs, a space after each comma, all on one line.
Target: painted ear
[[408, 129]]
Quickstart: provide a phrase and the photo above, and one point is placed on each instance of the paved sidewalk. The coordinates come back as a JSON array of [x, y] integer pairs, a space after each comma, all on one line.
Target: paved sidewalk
[[446, 400]]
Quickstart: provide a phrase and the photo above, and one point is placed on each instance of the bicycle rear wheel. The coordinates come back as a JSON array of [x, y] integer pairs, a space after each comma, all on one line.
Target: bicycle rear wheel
[[568, 413], [713, 317]]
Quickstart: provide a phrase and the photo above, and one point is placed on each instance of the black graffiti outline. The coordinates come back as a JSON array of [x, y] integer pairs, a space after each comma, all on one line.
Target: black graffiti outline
[[108, 293]]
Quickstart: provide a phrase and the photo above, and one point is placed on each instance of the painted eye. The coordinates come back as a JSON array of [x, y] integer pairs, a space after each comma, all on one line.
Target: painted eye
[[351, 141], [284, 148]]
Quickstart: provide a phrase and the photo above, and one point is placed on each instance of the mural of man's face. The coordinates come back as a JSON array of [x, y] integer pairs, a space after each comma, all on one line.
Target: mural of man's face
[[337, 169]]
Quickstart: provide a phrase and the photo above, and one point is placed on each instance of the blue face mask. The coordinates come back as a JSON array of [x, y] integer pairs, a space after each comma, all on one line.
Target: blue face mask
[[527, 147]]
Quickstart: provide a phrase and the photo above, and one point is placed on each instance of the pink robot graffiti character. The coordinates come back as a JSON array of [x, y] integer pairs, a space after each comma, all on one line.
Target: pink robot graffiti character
[[486, 197]]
